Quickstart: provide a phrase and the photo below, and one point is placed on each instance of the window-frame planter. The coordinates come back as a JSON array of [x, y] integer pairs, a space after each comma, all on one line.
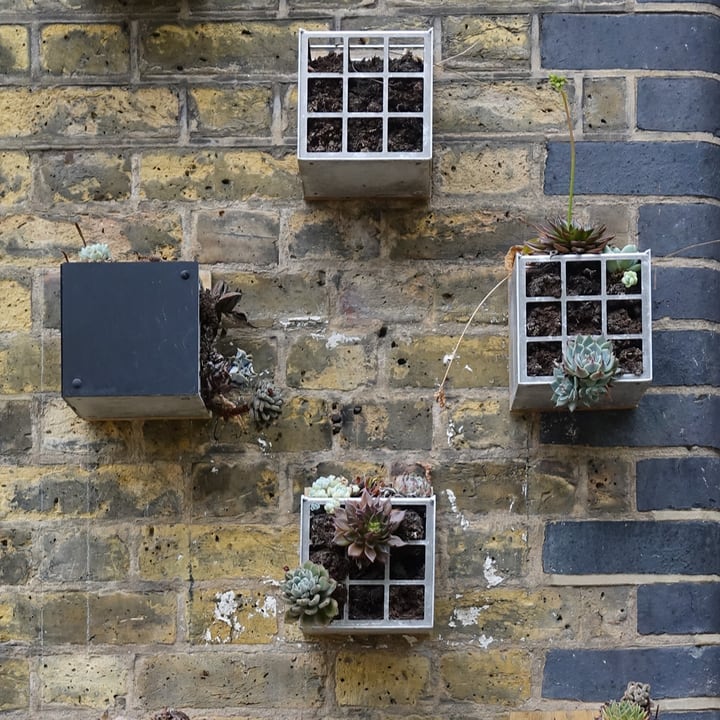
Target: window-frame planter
[[347, 173], [130, 338], [534, 392], [386, 624]]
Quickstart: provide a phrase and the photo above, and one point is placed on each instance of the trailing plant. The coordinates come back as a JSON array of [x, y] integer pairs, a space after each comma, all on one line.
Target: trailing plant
[[565, 235], [588, 367], [230, 387], [307, 591], [366, 528]]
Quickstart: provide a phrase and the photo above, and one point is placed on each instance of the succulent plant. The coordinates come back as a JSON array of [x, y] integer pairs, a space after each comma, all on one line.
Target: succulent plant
[[96, 252], [308, 590], [621, 265], [564, 235], [332, 487], [634, 705], [230, 387], [587, 369], [622, 710], [568, 236], [170, 714], [412, 485], [366, 528]]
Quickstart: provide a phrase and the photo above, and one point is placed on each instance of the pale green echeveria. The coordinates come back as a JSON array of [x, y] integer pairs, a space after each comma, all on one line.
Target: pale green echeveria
[[333, 487], [585, 373], [307, 592], [616, 267], [96, 252]]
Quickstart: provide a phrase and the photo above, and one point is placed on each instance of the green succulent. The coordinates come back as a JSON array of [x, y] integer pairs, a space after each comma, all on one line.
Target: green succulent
[[587, 369], [366, 528], [623, 710], [567, 236], [308, 590], [615, 267]]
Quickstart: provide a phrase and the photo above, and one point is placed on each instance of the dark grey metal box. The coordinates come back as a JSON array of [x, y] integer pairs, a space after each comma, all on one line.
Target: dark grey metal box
[[131, 340]]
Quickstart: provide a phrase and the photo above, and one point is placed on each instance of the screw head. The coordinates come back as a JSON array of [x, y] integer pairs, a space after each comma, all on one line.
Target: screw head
[[184, 274], [77, 382]]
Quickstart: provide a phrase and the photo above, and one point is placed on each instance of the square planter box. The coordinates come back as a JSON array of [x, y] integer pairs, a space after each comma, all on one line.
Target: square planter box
[[131, 340], [556, 297], [397, 597], [365, 113]]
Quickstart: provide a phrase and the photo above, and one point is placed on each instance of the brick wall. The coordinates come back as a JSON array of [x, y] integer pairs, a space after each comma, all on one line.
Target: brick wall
[[576, 553]]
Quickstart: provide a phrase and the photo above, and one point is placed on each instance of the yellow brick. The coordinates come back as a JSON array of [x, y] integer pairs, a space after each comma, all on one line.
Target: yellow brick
[[554, 715], [14, 306], [380, 679], [255, 551], [491, 677], [14, 49], [87, 112], [15, 177], [236, 111], [164, 552], [486, 41], [217, 175], [82, 681], [98, 49], [20, 369], [14, 684], [221, 616], [487, 171]]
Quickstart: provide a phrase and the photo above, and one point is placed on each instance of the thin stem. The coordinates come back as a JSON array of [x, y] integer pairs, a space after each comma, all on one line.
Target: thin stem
[[441, 391], [571, 193]]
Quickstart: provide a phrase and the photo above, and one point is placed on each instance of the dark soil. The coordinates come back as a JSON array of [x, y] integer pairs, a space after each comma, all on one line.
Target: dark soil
[[584, 317], [405, 134], [367, 601]]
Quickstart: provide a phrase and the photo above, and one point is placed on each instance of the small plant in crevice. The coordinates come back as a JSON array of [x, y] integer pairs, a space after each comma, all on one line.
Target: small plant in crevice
[[230, 387], [588, 367], [635, 704], [307, 592], [366, 529], [170, 714]]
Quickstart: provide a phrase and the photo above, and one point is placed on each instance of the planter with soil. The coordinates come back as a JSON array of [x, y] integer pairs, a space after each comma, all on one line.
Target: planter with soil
[[131, 340], [365, 113], [556, 297], [392, 597]]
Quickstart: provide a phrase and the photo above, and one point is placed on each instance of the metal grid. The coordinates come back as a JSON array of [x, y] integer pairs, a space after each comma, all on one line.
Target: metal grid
[[533, 392], [364, 172], [345, 624]]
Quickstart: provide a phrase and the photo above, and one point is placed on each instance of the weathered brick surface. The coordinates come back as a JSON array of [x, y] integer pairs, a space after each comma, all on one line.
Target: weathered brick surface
[[679, 608], [678, 483], [591, 675], [638, 168], [649, 41], [632, 547], [139, 561]]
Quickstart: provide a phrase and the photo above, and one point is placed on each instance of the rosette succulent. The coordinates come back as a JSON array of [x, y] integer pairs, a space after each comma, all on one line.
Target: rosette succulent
[[634, 705], [587, 369], [334, 488], [564, 235], [626, 268], [307, 591], [95, 252], [366, 528]]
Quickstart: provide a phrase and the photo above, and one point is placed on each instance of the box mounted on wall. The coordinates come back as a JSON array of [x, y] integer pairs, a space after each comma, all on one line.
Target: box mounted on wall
[[131, 340], [554, 298], [365, 113]]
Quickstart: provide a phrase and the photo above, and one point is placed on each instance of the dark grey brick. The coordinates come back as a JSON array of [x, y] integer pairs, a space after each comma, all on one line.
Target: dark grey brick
[[636, 168], [15, 426], [679, 104], [675, 228], [603, 547], [678, 483], [698, 714], [596, 675], [679, 608], [646, 41], [689, 357], [686, 293], [659, 420]]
